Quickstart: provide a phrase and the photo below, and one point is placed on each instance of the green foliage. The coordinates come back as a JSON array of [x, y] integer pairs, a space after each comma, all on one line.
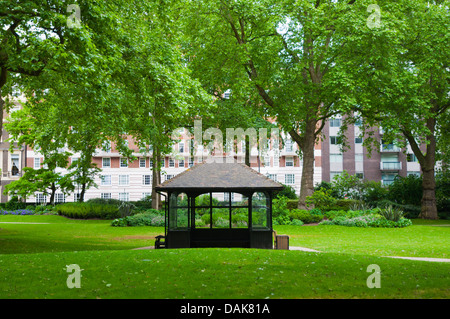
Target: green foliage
[[14, 203], [88, 210], [391, 213], [151, 217], [306, 216], [406, 190], [287, 191], [321, 198]]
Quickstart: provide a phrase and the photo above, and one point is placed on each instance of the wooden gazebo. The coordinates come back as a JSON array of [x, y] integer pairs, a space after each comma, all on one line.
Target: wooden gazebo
[[218, 205]]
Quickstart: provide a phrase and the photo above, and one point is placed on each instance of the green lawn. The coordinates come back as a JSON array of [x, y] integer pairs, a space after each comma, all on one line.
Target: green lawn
[[33, 260]]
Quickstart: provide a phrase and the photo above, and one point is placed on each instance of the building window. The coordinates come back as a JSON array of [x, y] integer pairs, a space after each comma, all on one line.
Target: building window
[[227, 94], [123, 162], [142, 162], [359, 157], [226, 197], [106, 162], [358, 122], [276, 161], [146, 196], [335, 140], [151, 163], [125, 197], [146, 179], [335, 122], [289, 179], [272, 176], [105, 196], [37, 162], [336, 158], [358, 140], [191, 161], [168, 177], [41, 198], [359, 175], [387, 179], [288, 146], [163, 163], [124, 180], [14, 164], [76, 197], [105, 180], [414, 174], [411, 157], [171, 162], [181, 147], [60, 198], [181, 163], [289, 161], [333, 174]]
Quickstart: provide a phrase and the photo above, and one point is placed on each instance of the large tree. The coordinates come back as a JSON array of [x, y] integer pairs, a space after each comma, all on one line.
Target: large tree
[[286, 52], [402, 75]]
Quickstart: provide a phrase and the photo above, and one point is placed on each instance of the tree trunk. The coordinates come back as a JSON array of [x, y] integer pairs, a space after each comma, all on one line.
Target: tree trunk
[[52, 195], [428, 204], [83, 191], [306, 144], [156, 179]]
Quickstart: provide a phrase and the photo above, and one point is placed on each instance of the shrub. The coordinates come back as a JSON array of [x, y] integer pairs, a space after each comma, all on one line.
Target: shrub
[[307, 217], [297, 222], [391, 213], [288, 192], [406, 190], [88, 210], [369, 220], [292, 204], [14, 204], [126, 209], [320, 198], [148, 218]]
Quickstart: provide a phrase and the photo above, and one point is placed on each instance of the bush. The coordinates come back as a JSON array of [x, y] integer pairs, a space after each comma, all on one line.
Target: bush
[[14, 204], [390, 213], [296, 222], [321, 198], [292, 204], [307, 217], [16, 212], [406, 190], [369, 220], [288, 192], [150, 217], [88, 210], [410, 211]]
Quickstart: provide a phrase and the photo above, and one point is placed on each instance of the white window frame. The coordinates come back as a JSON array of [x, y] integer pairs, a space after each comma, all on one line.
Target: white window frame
[[103, 162], [290, 160], [124, 197], [289, 179], [37, 163], [105, 196], [146, 179], [142, 160], [124, 180], [105, 180], [181, 163], [123, 162], [334, 157]]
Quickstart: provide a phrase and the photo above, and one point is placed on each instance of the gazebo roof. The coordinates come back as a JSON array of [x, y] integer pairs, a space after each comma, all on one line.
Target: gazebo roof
[[219, 177]]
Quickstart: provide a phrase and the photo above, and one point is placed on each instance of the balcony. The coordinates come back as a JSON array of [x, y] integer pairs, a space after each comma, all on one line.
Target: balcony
[[390, 166], [390, 148]]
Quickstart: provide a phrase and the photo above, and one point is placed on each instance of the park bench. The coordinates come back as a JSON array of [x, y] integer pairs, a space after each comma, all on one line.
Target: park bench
[[160, 242], [281, 241]]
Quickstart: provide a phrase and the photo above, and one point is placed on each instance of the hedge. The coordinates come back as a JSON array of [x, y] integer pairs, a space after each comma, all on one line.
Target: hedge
[[88, 210]]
